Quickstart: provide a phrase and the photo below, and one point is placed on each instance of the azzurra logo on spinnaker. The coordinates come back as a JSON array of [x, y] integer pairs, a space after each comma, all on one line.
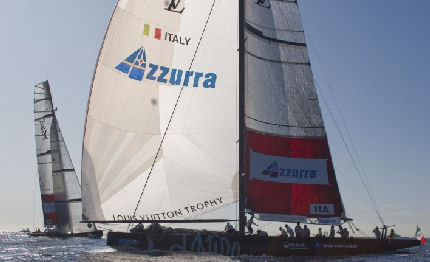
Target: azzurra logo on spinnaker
[[137, 68]]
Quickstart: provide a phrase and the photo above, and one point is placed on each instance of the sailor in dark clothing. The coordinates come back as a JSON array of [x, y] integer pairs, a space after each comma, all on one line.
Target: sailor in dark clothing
[[249, 224], [229, 228], [332, 231], [341, 232], [139, 228], [306, 233], [283, 232], [290, 231], [319, 234], [298, 230], [262, 233]]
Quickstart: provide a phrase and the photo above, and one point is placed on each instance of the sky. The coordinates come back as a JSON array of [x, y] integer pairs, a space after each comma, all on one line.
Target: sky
[[370, 60]]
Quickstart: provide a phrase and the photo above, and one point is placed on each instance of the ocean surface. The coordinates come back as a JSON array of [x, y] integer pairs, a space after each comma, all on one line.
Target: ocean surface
[[20, 247]]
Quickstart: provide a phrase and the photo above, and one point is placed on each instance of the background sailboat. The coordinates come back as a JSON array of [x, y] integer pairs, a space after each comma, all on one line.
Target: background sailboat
[[59, 185]]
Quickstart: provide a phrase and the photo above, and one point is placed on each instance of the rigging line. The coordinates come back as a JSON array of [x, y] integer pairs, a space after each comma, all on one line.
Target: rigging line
[[349, 153], [371, 195], [352, 185], [174, 109], [349, 136], [345, 126]]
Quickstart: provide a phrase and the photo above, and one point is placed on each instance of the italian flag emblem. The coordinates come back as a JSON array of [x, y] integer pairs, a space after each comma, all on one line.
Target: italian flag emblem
[[419, 235]]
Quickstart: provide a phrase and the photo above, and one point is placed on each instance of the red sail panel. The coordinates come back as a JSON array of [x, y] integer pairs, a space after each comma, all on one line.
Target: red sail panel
[[48, 206], [268, 189]]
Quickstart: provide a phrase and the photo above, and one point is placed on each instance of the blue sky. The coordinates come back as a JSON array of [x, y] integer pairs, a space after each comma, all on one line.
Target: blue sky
[[373, 56]]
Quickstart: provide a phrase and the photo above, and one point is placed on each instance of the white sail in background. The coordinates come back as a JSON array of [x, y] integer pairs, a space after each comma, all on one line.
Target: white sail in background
[[43, 117], [61, 192], [67, 190], [151, 50]]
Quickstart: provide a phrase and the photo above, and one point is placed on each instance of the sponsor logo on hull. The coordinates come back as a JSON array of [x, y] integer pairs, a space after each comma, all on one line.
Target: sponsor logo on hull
[[329, 221], [281, 217], [295, 245], [281, 169], [137, 68]]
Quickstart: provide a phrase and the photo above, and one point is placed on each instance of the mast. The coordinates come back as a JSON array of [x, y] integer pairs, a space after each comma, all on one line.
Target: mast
[[242, 218]]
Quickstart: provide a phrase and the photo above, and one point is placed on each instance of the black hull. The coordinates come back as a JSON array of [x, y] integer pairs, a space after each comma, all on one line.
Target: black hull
[[95, 234], [235, 245]]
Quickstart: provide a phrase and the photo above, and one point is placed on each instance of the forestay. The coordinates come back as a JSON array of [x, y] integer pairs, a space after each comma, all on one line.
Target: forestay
[[289, 170], [152, 51]]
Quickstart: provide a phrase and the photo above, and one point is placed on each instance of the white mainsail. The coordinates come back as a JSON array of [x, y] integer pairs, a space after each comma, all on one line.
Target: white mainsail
[[161, 58], [59, 185]]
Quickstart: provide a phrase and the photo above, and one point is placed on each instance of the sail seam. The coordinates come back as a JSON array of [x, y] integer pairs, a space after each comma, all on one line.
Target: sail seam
[[282, 125], [44, 153], [63, 170], [275, 29], [258, 33], [174, 110], [41, 99], [42, 117], [277, 61]]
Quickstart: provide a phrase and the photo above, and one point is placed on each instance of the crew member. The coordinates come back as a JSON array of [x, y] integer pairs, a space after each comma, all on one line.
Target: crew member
[[319, 234], [137, 229], [392, 234], [298, 230], [249, 224], [306, 233], [332, 231], [377, 232], [341, 232], [229, 228], [283, 232], [262, 233], [345, 233], [290, 231]]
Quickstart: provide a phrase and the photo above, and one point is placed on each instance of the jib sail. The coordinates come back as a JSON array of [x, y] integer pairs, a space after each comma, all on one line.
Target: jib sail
[[164, 65]]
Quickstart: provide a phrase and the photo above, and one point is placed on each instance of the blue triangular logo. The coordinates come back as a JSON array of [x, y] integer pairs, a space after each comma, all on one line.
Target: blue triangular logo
[[134, 65], [272, 170]]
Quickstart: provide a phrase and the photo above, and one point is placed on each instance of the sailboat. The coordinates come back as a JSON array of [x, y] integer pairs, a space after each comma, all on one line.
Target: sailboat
[[197, 106], [59, 185]]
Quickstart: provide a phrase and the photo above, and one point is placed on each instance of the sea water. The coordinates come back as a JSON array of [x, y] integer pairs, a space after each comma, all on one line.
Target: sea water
[[20, 247]]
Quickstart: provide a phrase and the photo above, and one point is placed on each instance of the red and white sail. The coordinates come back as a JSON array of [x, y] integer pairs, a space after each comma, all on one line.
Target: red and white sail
[[289, 170]]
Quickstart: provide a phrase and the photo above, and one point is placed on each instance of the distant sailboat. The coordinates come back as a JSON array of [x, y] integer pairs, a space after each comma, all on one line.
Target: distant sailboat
[[180, 124], [59, 185]]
